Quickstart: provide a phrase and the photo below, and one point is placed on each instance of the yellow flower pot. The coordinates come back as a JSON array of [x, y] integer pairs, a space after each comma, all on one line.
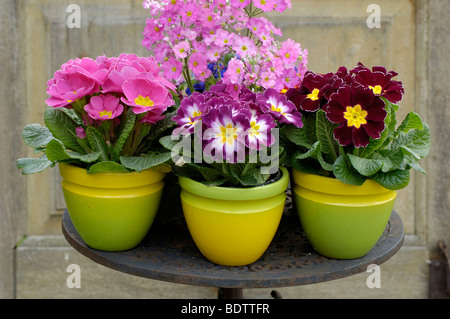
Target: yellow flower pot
[[114, 211], [341, 221], [233, 226]]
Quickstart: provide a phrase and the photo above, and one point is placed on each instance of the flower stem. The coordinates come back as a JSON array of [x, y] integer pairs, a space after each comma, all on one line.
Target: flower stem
[[187, 75]]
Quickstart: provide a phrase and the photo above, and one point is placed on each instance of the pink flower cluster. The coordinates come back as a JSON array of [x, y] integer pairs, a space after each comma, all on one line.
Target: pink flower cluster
[[188, 36], [102, 89]]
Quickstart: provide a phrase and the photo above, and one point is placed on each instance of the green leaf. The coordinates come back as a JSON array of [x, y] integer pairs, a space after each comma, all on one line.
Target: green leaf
[[345, 173], [73, 115], [248, 174], [393, 180], [140, 163], [163, 124], [126, 128], [56, 152], [298, 136], [315, 148], [375, 145], [417, 167], [411, 121], [167, 142], [36, 136], [415, 144], [392, 159], [63, 128], [33, 165], [324, 133], [107, 167], [308, 165], [97, 142], [365, 166], [208, 173]]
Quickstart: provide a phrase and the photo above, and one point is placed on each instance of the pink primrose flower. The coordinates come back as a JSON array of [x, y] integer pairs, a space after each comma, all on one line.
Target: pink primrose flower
[[267, 79], [152, 117], [172, 69], [223, 38], [281, 5], [86, 66], [264, 5], [128, 66], [181, 50], [197, 63], [69, 88], [104, 107], [257, 26], [289, 53], [244, 46], [144, 95], [240, 3], [235, 71], [81, 133]]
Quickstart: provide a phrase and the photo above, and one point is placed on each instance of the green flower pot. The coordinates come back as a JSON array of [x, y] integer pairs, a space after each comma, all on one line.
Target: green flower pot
[[111, 212], [341, 221], [233, 226]]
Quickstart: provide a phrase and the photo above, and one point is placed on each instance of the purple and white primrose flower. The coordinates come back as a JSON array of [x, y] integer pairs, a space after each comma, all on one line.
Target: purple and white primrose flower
[[233, 123], [225, 134], [190, 112], [280, 107]]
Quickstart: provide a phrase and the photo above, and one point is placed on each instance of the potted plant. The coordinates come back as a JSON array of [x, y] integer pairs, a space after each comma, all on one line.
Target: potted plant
[[102, 125], [229, 70], [350, 157], [226, 153]]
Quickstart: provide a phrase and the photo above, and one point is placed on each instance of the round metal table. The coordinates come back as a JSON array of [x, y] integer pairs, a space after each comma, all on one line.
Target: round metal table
[[168, 253]]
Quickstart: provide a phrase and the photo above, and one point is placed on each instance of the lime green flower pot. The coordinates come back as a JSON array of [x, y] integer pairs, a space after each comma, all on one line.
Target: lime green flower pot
[[233, 226], [341, 221], [111, 212]]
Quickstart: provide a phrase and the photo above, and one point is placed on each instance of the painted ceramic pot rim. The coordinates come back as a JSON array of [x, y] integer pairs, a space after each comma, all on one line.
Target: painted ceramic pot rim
[[236, 193], [334, 186], [80, 176]]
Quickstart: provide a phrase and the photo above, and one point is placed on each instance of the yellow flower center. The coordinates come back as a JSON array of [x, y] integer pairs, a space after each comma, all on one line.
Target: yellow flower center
[[314, 95], [355, 116], [189, 13], [174, 69], [105, 113], [376, 89], [276, 109], [254, 129], [195, 63], [228, 134], [144, 101]]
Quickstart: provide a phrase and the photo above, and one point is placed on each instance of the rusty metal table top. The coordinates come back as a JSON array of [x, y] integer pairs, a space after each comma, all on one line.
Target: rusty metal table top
[[168, 253]]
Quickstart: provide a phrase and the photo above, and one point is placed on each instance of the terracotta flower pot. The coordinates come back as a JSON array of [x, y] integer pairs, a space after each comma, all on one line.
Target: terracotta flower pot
[[233, 226], [341, 221], [111, 212]]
